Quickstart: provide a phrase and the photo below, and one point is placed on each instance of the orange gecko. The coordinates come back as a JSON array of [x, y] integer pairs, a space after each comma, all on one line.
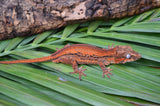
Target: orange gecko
[[87, 54]]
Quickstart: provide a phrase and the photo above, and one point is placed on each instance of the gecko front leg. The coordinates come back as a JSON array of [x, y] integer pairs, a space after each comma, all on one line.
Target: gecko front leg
[[106, 71], [77, 70]]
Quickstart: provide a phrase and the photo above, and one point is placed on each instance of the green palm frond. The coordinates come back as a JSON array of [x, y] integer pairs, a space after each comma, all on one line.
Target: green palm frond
[[48, 83]]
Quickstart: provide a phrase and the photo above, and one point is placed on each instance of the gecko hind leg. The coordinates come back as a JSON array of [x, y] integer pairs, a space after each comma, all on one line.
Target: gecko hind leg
[[77, 70], [106, 71]]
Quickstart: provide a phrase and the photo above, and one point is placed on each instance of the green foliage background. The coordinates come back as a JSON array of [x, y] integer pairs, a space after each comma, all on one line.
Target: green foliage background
[[48, 83]]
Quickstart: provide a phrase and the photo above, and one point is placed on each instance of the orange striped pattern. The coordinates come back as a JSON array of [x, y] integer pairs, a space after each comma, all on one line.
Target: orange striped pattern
[[83, 49], [47, 58]]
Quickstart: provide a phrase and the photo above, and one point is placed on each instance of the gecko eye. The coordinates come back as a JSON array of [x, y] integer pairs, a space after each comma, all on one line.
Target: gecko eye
[[128, 56]]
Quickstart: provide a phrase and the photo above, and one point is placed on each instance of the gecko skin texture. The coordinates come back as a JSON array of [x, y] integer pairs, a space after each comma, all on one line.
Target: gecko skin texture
[[87, 54]]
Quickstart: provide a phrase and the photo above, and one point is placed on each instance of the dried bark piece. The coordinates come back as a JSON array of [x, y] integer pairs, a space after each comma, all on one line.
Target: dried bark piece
[[28, 17]]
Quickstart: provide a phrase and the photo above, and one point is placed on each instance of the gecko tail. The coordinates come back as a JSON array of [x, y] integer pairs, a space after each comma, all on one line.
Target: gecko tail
[[47, 58]]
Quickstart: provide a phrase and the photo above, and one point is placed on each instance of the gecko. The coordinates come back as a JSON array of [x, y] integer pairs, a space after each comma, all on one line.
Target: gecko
[[87, 54]]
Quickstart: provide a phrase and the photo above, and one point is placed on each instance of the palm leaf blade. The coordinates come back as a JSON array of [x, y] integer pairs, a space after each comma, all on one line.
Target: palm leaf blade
[[47, 82]]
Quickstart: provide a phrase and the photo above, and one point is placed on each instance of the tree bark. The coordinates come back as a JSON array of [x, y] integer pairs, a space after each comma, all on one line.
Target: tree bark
[[28, 17]]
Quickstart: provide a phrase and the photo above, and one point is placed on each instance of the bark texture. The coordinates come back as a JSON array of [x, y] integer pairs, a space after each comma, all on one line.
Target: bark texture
[[28, 17]]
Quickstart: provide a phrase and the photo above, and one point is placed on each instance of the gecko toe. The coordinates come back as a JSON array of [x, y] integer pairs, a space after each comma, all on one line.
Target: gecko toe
[[73, 72], [110, 47], [80, 72], [107, 72]]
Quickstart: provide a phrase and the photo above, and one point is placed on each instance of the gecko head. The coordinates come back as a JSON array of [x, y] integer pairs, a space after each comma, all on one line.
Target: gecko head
[[126, 54]]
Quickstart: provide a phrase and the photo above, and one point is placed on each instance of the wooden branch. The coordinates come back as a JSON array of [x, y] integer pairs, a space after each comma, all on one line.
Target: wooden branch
[[28, 17]]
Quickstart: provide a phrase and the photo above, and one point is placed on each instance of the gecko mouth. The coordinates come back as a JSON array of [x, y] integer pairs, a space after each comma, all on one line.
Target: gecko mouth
[[138, 56]]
